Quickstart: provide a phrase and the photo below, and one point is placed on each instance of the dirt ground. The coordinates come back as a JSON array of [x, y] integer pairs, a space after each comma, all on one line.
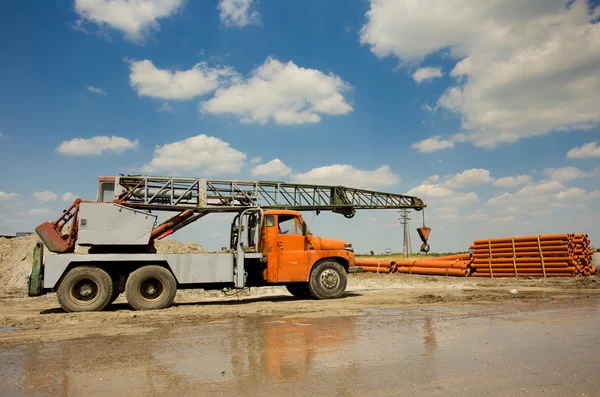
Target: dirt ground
[[27, 320]]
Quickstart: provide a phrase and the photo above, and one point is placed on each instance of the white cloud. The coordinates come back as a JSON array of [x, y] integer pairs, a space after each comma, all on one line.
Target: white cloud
[[238, 13], [274, 168], [135, 18], [283, 92], [522, 69], [68, 197], [96, 90], [567, 174], [165, 108], [508, 218], [586, 151], [45, 196], [431, 179], [40, 211], [444, 199], [512, 181], [8, 196], [427, 73], [96, 145], [255, 160], [347, 175], [472, 177], [477, 215], [541, 199], [433, 144], [206, 154], [147, 80]]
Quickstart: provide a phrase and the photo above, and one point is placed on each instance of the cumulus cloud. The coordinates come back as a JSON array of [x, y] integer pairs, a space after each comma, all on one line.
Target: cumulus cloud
[[521, 69], [148, 80], [433, 144], [541, 199], [472, 177], [5, 197], [202, 153], [238, 13], [255, 160], [431, 179], [427, 73], [68, 197], [96, 145], [445, 199], [347, 175], [45, 196], [282, 92], [567, 174], [135, 18], [512, 181], [588, 150], [96, 90], [274, 168]]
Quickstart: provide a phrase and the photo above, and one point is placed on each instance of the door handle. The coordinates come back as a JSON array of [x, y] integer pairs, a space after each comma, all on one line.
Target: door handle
[[280, 245]]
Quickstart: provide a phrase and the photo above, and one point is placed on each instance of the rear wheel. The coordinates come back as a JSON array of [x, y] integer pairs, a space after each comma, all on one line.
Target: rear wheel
[[150, 288], [299, 290], [85, 289], [327, 280]]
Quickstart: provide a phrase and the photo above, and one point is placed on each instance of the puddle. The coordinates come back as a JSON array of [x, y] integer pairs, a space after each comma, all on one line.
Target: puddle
[[433, 351]]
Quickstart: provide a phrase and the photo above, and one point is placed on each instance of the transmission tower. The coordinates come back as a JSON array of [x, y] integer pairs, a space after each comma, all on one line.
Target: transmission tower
[[405, 222]]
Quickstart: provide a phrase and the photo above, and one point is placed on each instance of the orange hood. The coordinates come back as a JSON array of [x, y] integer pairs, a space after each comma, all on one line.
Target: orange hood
[[328, 243]]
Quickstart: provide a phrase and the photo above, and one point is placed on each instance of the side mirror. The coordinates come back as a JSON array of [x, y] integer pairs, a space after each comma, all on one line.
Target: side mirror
[[304, 228]]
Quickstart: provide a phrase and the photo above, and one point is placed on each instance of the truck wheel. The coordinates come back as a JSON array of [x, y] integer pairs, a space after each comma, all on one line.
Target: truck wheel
[[150, 288], [299, 290], [327, 280], [85, 289]]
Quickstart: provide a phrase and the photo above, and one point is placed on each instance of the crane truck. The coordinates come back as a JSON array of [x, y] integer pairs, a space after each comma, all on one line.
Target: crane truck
[[270, 243]]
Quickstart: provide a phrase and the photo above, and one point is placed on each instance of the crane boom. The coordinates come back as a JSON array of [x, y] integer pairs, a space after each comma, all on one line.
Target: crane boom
[[215, 195]]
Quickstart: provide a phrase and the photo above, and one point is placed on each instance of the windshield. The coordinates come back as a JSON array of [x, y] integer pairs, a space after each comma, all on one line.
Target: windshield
[[306, 227]]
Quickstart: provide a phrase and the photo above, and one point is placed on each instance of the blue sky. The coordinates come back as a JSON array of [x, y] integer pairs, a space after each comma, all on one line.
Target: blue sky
[[442, 99]]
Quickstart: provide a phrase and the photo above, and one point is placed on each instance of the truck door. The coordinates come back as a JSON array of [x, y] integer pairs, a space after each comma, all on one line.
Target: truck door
[[291, 250]]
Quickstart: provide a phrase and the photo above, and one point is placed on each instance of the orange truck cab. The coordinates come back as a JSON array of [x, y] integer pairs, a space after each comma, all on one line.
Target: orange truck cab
[[294, 255]]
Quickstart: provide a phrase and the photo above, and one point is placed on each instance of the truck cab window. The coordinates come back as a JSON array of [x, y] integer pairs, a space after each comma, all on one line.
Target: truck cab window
[[108, 192], [289, 225], [270, 220]]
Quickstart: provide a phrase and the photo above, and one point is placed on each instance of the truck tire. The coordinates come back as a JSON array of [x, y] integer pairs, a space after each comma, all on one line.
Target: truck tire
[[150, 288], [85, 289], [299, 290], [327, 280]]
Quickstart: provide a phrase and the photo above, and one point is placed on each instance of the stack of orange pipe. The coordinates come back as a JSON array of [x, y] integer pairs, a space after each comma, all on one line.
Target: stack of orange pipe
[[556, 255], [452, 265], [376, 265]]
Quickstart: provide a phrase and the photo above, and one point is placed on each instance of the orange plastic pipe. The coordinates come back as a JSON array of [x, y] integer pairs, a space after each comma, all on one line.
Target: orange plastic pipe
[[522, 254], [544, 243], [520, 265], [523, 275], [523, 260], [432, 263], [523, 249], [523, 238], [465, 256], [528, 270], [374, 269], [373, 262], [433, 272]]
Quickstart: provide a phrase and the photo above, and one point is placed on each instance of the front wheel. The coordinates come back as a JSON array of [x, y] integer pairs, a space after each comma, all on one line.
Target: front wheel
[[85, 289], [150, 288], [327, 280], [299, 290]]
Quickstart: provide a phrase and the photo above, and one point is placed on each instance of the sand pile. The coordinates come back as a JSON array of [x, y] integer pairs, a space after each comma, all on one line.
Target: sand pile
[[16, 256], [177, 247]]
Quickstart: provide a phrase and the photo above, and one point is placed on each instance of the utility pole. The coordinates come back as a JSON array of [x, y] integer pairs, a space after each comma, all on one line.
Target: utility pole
[[405, 222]]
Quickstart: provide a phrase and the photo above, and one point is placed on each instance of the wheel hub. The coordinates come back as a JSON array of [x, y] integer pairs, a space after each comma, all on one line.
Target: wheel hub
[[330, 279], [84, 290], [151, 289]]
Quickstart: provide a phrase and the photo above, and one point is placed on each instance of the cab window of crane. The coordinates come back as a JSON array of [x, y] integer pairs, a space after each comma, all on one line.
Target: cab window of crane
[[270, 221], [108, 192], [288, 224]]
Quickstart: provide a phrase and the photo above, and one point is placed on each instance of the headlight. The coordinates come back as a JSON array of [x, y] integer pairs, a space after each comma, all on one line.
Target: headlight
[[348, 247]]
